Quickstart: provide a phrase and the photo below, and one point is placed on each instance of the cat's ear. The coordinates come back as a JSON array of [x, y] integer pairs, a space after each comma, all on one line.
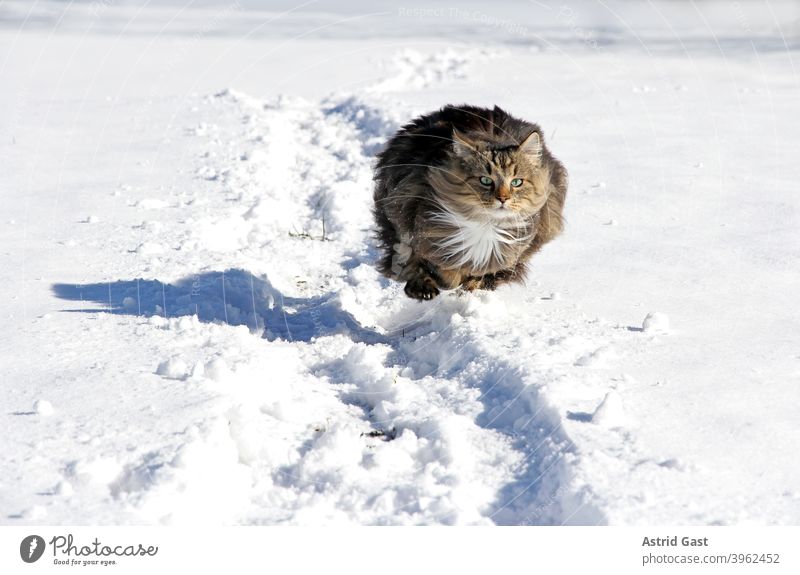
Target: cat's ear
[[462, 145], [532, 146]]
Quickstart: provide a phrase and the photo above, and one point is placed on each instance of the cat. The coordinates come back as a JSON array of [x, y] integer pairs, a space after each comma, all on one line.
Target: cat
[[463, 198]]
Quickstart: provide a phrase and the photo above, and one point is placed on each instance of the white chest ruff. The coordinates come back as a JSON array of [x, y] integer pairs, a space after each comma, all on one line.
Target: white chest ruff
[[475, 243]]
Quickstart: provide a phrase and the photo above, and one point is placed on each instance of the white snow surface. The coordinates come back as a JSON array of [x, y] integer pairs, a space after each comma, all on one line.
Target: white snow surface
[[217, 347]]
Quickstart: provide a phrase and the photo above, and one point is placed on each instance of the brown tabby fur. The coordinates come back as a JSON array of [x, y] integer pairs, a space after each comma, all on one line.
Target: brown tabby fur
[[439, 226]]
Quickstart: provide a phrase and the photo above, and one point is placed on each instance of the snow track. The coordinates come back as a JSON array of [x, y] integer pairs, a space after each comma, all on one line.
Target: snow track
[[337, 399]]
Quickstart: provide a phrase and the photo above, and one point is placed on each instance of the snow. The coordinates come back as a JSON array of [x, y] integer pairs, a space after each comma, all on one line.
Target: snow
[[611, 412], [173, 368], [43, 407], [149, 248], [152, 204], [221, 322], [656, 322], [63, 489]]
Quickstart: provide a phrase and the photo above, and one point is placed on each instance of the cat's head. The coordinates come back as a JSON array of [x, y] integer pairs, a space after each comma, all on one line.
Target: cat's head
[[497, 177]]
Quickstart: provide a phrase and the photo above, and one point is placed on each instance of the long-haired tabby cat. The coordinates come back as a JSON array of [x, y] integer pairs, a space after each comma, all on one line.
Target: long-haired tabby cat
[[463, 198]]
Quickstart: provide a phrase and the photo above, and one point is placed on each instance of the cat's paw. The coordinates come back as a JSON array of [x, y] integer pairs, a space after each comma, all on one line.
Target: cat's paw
[[422, 288], [471, 284], [487, 282]]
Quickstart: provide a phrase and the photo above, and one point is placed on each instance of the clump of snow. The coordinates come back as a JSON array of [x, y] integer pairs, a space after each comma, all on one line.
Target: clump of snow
[[185, 324], [98, 470], [198, 371], [173, 368], [208, 173], [656, 322], [43, 407], [596, 358], [217, 369], [610, 413], [64, 489], [158, 321], [149, 248], [91, 219]]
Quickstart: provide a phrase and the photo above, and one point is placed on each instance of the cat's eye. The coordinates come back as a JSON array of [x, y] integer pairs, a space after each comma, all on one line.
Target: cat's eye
[[486, 180], [516, 182]]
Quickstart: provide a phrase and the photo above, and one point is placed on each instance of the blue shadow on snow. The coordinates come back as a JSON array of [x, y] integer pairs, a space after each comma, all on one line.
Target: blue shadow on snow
[[234, 296]]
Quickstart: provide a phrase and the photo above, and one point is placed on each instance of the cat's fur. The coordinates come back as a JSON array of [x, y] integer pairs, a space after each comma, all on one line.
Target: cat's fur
[[439, 227]]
